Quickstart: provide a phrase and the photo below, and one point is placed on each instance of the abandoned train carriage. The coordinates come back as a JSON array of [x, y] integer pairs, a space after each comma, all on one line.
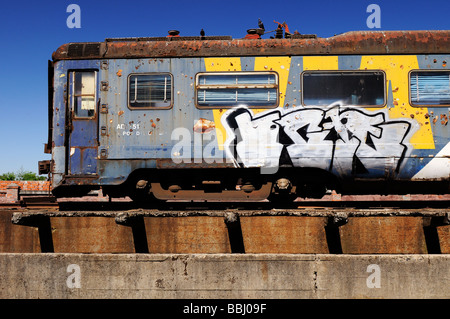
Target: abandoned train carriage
[[221, 118]]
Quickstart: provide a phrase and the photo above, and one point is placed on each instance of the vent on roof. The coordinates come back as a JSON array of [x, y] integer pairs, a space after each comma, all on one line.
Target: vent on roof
[[83, 50]]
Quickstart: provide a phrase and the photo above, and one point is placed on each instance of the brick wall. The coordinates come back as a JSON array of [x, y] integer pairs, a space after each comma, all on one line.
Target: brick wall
[[10, 191], [25, 185]]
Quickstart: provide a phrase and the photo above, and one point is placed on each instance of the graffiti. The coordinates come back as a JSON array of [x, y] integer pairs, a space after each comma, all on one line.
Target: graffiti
[[347, 140]]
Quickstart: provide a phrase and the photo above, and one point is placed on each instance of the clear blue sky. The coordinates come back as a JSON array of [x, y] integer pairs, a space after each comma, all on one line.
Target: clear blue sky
[[31, 30]]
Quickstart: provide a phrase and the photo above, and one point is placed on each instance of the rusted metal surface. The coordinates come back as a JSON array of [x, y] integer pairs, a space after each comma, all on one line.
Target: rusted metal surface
[[355, 42], [284, 234], [187, 235], [90, 235], [204, 126], [383, 235], [17, 238], [239, 195], [231, 231], [444, 238]]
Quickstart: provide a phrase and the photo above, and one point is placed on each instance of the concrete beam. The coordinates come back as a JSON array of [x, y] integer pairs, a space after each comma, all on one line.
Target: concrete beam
[[230, 276]]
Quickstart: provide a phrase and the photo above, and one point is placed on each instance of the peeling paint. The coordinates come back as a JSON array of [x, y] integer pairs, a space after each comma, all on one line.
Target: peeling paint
[[204, 126]]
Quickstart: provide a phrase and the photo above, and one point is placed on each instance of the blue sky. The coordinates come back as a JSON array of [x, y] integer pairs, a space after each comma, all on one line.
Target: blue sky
[[32, 30]]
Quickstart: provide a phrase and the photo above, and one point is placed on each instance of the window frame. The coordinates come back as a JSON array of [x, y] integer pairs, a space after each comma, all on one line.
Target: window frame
[[345, 71], [237, 86], [149, 107], [409, 87], [71, 91]]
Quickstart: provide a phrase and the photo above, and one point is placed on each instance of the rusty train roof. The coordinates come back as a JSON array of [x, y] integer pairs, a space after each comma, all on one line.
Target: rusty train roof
[[355, 42]]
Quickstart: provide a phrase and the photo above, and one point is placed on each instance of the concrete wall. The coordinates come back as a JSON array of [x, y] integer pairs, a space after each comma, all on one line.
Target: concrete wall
[[147, 254], [187, 276]]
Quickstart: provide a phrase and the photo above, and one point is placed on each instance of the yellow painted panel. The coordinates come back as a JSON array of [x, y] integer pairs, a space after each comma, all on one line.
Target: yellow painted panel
[[397, 72], [320, 63]]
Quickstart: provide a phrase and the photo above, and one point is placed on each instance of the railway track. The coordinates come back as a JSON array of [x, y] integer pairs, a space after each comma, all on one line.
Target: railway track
[[349, 202]]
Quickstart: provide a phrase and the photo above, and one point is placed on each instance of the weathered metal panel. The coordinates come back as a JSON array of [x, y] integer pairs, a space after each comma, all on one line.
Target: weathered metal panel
[[356, 42], [444, 238], [90, 235], [383, 235], [284, 234], [187, 235], [17, 238], [75, 142], [139, 133]]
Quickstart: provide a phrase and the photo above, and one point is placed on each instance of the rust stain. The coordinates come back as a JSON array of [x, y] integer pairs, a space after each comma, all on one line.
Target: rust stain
[[204, 126], [383, 235], [119, 73], [357, 42], [120, 113]]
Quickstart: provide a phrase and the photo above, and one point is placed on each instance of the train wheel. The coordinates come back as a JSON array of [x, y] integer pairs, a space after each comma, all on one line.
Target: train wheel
[[142, 193], [282, 192]]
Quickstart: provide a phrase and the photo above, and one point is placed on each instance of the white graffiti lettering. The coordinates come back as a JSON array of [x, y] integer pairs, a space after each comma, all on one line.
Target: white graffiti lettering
[[348, 140]]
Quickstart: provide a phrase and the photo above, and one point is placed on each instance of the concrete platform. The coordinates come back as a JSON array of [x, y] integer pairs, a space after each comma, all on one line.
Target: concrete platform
[[230, 276]]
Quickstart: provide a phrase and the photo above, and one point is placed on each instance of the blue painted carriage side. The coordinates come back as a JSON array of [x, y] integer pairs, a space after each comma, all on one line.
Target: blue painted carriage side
[[129, 133], [146, 133], [83, 162], [248, 63], [349, 62], [293, 89], [136, 138], [59, 123]]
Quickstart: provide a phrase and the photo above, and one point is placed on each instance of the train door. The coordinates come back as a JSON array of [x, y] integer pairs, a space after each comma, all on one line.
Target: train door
[[82, 123]]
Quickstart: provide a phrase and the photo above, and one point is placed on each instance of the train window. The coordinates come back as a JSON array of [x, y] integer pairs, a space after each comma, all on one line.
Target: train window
[[228, 89], [365, 88], [150, 90], [83, 93], [429, 88]]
